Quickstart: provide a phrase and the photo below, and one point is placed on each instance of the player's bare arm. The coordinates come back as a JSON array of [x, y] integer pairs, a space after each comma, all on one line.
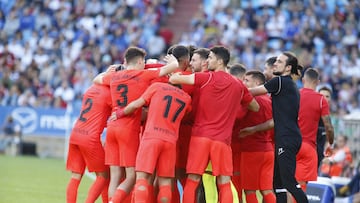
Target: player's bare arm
[[178, 78], [259, 90], [99, 78], [171, 66], [329, 130], [129, 109], [269, 124]]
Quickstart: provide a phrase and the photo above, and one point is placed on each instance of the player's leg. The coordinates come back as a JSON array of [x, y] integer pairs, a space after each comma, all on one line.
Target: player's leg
[[95, 161], [192, 182], [72, 187], [306, 165], [199, 150], [99, 186], [128, 141], [166, 161], [76, 164], [224, 185], [165, 193], [141, 189], [250, 196], [146, 160], [112, 159], [125, 187], [266, 177], [222, 167], [116, 173]]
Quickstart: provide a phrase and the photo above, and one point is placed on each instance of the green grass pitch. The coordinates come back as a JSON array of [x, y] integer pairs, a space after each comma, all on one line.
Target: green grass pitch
[[33, 180]]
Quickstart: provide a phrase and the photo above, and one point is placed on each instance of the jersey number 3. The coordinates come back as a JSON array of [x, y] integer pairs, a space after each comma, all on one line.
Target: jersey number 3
[[181, 106], [123, 90]]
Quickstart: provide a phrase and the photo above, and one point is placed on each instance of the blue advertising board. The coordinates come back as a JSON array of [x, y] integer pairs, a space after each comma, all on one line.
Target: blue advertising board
[[40, 121]]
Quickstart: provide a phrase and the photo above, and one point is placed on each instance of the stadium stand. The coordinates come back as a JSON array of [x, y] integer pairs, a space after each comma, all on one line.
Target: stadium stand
[[50, 50]]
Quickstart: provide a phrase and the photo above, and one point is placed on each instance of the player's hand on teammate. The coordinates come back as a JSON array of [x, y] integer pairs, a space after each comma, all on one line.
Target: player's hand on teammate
[[246, 131], [117, 114], [170, 59], [112, 68]]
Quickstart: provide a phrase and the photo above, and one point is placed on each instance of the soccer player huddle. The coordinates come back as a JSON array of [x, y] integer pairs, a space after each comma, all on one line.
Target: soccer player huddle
[[196, 119]]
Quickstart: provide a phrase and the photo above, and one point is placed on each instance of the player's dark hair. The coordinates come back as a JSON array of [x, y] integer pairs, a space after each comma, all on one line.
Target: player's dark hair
[[270, 61], [325, 88], [191, 49], [203, 52], [119, 67], [293, 62], [180, 51], [221, 53], [257, 75], [237, 69], [312, 74], [133, 53]]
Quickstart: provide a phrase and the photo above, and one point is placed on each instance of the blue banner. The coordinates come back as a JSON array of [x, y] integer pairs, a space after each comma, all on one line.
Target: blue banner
[[41, 121]]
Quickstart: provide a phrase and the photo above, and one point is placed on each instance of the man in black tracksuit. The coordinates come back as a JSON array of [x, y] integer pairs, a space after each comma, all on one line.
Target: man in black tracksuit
[[285, 103]]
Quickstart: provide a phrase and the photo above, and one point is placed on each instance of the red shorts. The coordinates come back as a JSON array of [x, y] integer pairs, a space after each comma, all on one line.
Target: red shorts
[[256, 170], [201, 148], [81, 156], [121, 146], [306, 163], [182, 147], [156, 154]]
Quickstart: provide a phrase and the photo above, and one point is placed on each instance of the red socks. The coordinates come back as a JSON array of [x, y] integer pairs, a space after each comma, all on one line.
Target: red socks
[[119, 196], [96, 189], [251, 198], [270, 198], [165, 193], [71, 190], [105, 193], [225, 194], [189, 191], [141, 191]]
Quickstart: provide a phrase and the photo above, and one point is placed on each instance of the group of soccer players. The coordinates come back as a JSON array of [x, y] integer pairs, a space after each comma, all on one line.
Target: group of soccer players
[[195, 115]]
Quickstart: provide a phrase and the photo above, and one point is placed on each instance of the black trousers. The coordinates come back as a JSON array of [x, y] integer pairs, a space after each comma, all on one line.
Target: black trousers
[[284, 170]]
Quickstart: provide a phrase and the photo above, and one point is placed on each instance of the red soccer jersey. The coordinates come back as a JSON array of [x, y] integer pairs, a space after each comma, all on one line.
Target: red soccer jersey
[[125, 87], [95, 111], [189, 118], [220, 97], [167, 106], [312, 106], [236, 129], [260, 141]]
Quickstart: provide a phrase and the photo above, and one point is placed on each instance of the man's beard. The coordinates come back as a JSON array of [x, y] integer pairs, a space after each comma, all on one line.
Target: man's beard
[[277, 73]]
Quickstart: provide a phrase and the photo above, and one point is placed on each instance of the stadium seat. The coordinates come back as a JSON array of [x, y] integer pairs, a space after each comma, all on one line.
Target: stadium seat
[[321, 191]]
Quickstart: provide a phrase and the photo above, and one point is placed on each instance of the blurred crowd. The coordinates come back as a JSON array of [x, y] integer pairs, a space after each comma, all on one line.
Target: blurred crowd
[[323, 34], [50, 50]]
